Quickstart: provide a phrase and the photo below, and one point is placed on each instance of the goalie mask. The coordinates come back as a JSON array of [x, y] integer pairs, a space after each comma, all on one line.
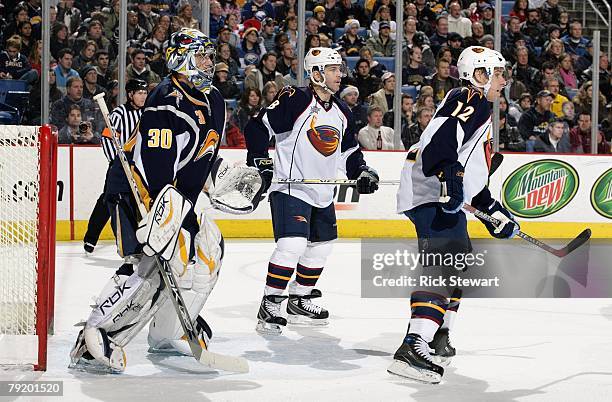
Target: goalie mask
[[475, 57], [192, 54], [317, 59]]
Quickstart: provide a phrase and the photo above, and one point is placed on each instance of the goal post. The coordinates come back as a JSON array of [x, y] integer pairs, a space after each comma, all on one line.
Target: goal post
[[28, 182]]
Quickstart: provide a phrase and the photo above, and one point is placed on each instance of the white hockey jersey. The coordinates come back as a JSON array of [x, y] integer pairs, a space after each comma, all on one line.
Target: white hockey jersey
[[459, 131], [314, 139]]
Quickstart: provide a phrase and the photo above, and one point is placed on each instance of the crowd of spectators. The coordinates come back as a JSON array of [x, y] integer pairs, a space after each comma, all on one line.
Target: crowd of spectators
[[545, 106]]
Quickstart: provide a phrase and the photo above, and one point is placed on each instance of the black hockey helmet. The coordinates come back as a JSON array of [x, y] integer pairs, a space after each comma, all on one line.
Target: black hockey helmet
[[136, 85]]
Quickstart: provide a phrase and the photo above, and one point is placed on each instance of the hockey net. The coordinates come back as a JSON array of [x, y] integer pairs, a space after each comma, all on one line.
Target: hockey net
[[28, 175]]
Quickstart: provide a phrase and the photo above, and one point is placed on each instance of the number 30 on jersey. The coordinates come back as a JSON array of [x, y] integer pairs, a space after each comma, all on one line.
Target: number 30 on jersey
[[160, 138]]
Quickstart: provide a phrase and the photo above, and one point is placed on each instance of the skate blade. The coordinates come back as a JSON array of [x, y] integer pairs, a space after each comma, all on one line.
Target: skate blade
[[405, 370], [265, 328], [442, 361], [167, 352], [92, 366], [300, 320]]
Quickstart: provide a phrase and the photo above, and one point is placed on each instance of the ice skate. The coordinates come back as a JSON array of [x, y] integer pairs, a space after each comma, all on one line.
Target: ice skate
[[302, 311], [412, 360], [442, 350], [270, 321]]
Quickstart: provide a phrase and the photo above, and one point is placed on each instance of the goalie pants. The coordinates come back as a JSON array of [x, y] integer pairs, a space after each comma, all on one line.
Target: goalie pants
[[438, 232]]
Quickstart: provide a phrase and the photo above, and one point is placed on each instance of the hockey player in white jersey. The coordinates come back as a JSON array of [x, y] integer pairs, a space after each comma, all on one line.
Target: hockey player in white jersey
[[448, 167], [315, 137], [174, 156]]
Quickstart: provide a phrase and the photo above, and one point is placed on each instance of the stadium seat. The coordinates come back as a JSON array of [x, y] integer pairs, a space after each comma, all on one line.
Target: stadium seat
[[571, 92], [308, 14], [231, 103], [351, 61], [388, 62], [538, 50], [240, 85], [7, 86], [410, 90], [507, 7], [240, 72]]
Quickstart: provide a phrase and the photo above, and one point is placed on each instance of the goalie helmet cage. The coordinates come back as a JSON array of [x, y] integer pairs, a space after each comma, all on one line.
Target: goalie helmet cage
[[28, 177]]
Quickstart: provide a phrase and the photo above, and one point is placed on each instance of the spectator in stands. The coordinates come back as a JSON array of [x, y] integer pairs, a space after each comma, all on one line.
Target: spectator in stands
[[583, 100], [509, 138], [528, 75], [217, 18], [94, 32], [411, 134], [576, 44], [458, 23], [514, 88], [224, 82], [489, 42], [440, 36], [426, 17], [312, 26], [252, 7], [231, 7], [556, 107], [69, 15], [477, 35], [139, 69], [102, 68], [509, 36], [184, 17], [503, 108], [349, 10], [554, 139], [283, 63], [265, 71], [534, 121], [486, 18], [569, 113], [285, 9], [312, 40], [350, 95], [252, 48], [74, 96], [605, 76], [24, 29], [35, 57], [280, 39], [375, 136], [224, 56], [519, 10], [533, 28], [364, 80], [376, 68], [134, 31], [249, 105], [319, 15], [59, 39], [383, 98], [90, 82], [269, 92], [407, 113], [553, 52], [147, 19], [415, 72], [111, 18], [291, 77], [564, 24], [64, 70], [412, 36], [382, 45], [85, 56], [554, 32], [326, 41], [332, 14], [76, 131], [225, 35], [268, 33], [14, 65], [524, 104], [441, 81], [455, 46], [580, 136], [350, 43], [383, 14], [551, 11]]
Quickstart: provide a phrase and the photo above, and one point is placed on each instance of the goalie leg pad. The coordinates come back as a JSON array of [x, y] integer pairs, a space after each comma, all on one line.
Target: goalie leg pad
[[160, 231], [103, 350]]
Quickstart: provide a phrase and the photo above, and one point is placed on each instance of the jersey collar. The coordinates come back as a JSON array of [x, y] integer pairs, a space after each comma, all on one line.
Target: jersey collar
[[327, 105]]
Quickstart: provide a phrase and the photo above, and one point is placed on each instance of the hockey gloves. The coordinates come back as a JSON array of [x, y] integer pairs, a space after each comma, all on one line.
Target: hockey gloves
[[507, 227], [367, 182], [266, 170], [451, 195]]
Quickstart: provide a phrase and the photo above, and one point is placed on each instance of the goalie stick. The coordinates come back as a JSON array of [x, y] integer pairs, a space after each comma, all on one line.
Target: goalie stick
[[200, 353]]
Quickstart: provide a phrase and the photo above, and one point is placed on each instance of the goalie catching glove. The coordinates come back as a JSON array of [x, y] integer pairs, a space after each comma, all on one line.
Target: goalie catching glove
[[235, 189]]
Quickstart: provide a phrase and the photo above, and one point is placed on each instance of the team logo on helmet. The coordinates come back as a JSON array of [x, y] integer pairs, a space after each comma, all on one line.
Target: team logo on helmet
[[478, 49], [316, 52], [324, 139]]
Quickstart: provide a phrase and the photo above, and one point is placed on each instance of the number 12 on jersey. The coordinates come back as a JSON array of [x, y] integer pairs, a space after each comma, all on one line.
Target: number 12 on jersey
[[462, 113]]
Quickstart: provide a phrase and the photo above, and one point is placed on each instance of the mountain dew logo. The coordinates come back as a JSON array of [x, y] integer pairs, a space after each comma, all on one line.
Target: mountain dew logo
[[540, 188], [601, 195]]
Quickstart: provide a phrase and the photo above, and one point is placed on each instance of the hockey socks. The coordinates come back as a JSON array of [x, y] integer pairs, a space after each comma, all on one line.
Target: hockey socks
[[428, 310]]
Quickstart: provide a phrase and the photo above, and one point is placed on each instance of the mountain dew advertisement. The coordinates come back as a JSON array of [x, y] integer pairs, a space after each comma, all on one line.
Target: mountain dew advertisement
[[601, 195], [540, 188]]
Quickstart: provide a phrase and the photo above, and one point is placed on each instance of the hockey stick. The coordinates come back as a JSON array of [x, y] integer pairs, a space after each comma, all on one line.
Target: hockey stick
[[200, 353], [562, 252]]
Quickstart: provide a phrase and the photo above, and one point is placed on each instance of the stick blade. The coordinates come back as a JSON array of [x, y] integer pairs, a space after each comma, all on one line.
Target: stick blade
[[582, 238], [218, 361], [496, 161]]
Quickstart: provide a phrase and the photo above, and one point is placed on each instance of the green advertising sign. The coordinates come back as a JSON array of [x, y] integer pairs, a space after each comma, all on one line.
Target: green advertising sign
[[601, 195], [540, 188]]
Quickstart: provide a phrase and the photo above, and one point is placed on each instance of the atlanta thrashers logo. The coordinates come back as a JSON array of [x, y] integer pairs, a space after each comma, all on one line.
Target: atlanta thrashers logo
[[324, 139]]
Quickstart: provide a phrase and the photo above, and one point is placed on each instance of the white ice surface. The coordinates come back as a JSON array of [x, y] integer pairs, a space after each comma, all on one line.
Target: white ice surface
[[508, 350]]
